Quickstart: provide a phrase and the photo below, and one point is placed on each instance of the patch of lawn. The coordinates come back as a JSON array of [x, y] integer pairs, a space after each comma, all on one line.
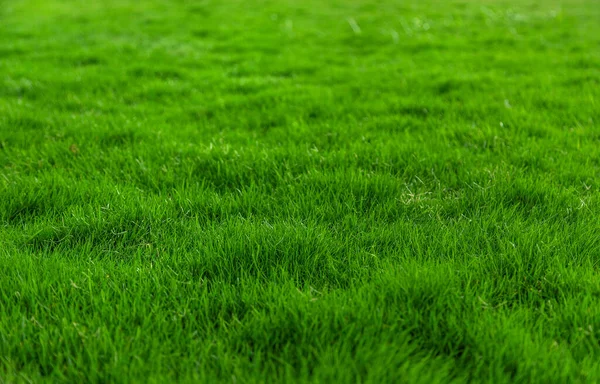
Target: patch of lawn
[[315, 191]]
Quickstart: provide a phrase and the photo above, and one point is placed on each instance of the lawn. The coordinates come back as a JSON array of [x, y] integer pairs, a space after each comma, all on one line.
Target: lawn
[[342, 191]]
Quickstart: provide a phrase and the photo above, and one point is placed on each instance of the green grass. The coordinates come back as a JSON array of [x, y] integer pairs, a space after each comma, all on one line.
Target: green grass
[[302, 190]]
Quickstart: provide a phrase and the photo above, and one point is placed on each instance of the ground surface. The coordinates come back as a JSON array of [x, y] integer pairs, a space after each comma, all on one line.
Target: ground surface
[[245, 191]]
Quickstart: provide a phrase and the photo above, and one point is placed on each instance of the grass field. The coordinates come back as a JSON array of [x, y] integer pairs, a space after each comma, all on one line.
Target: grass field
[[303, 190]]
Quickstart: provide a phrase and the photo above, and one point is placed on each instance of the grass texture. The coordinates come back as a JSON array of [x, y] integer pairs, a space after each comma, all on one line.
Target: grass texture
[[299, 191]]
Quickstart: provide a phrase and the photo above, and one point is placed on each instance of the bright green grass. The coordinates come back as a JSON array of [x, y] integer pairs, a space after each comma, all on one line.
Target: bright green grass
[[327, 191]]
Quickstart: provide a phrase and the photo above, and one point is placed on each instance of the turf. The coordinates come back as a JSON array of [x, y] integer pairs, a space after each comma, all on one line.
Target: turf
[[302, 190]]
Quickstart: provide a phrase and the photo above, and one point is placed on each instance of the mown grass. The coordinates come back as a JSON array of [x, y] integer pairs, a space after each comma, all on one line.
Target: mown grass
[[349, 191]]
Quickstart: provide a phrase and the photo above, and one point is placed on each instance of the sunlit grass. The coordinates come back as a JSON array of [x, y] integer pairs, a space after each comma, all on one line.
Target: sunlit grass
[[265, 191]]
